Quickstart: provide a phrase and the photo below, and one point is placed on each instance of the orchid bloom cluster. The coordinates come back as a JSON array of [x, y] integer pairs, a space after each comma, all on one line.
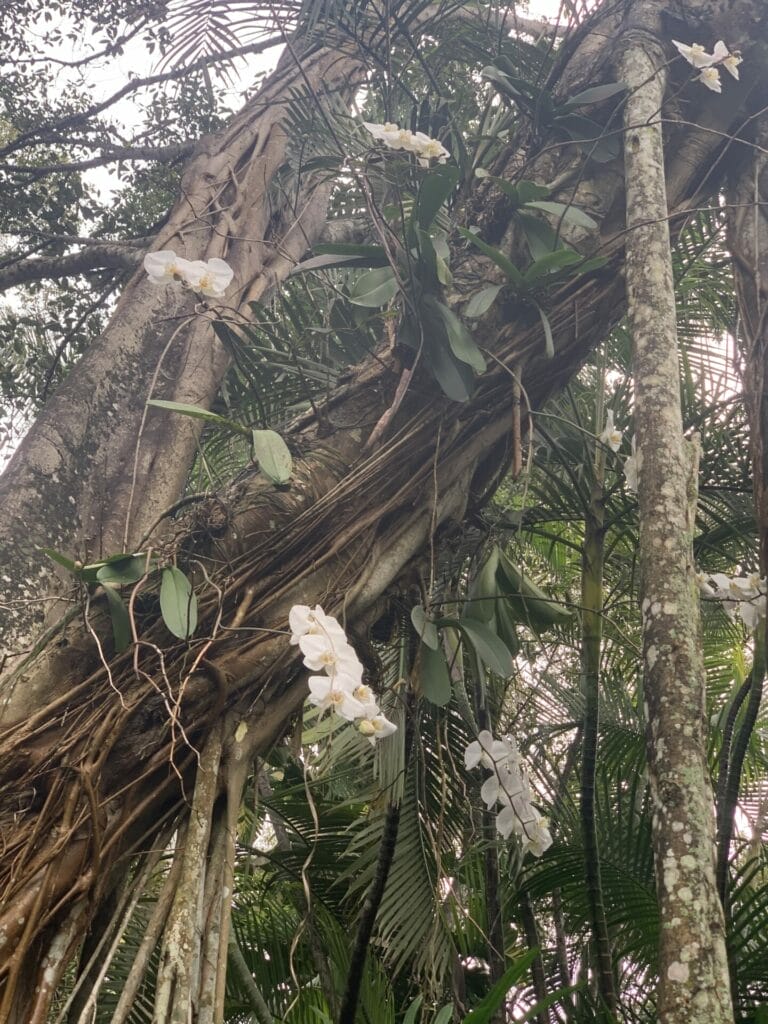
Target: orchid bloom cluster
[[632, 466], [211, 277], [424, 148], [325, 647], [611, 435], [508, 785], [741, 595], [706, 62]]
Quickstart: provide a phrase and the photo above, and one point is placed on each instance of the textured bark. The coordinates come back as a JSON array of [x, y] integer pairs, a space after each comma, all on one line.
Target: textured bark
[[88, 778], [693, 968], [99, 462]]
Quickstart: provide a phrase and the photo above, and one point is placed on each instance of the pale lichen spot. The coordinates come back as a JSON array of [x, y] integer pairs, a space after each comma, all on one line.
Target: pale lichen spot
[[685, 894], [677, 971], [688, 862]]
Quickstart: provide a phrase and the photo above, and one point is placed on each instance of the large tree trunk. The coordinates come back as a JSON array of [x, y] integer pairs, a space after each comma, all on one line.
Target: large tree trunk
[[98, 467], [97, 759]]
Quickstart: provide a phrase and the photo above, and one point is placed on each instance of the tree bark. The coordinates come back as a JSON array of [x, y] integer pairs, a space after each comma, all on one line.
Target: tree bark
[[95, 759], [100, 463], [693, 967]]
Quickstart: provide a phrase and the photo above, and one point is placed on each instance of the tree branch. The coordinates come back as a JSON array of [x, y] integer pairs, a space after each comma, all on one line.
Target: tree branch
[[103, 256], [47, 132], [156, 154]]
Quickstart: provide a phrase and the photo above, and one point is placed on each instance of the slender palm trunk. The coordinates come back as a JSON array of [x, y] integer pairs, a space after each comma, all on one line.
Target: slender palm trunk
[[693, 967]]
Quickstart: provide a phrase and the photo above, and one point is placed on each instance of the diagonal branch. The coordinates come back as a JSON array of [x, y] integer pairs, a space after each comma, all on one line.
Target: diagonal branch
[[99, 256]]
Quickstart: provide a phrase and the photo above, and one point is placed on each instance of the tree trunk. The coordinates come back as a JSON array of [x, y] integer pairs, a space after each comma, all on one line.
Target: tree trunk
[[97, 754], [693, 967], [98, 467]]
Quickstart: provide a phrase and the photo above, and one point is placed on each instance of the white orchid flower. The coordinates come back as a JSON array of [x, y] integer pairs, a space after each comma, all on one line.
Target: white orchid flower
[[337, 658], [537, 839], [610, 435], [752, 612], [382, 132], [366, 697], [421, 145], [165, 267], [326, 693], [488, 752], [506, 786], [632, 468], [704, 588], [695, 54], [711, 78], [736, 588], [302, 619], [430, 149], [211, 278], [731, 64], [720, 52], [698, 56], [376, 727]]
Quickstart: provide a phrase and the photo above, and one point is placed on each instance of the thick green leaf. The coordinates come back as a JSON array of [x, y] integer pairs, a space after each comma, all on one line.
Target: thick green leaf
[[527, 191], [178, 603], [551, 261], [549, 341], [200, 414], [539, 234], [413, 1009], [125, 570], [434, 678], [374, 289], [483, 1013], [568, 214], [480, 302], [273, 456], [425, 627], [483, 594], [121, 624], [504, 625], [453, 376], [68, 564], [435, 189], [349, 249], [513, 274], [526, 601], [444, 1015], [460, 339], [490, 648], [329, 261], [596, 94]]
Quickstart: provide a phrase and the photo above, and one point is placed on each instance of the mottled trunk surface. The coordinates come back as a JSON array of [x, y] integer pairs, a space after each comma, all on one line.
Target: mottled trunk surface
[[693, 967]]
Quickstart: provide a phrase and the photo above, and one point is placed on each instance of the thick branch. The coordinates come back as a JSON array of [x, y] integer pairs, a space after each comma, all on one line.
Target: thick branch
[[109, 155], [104, 255], [49, 132]]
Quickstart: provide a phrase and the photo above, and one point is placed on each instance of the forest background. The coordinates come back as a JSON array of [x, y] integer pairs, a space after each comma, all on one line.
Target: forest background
[[496, 405]]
